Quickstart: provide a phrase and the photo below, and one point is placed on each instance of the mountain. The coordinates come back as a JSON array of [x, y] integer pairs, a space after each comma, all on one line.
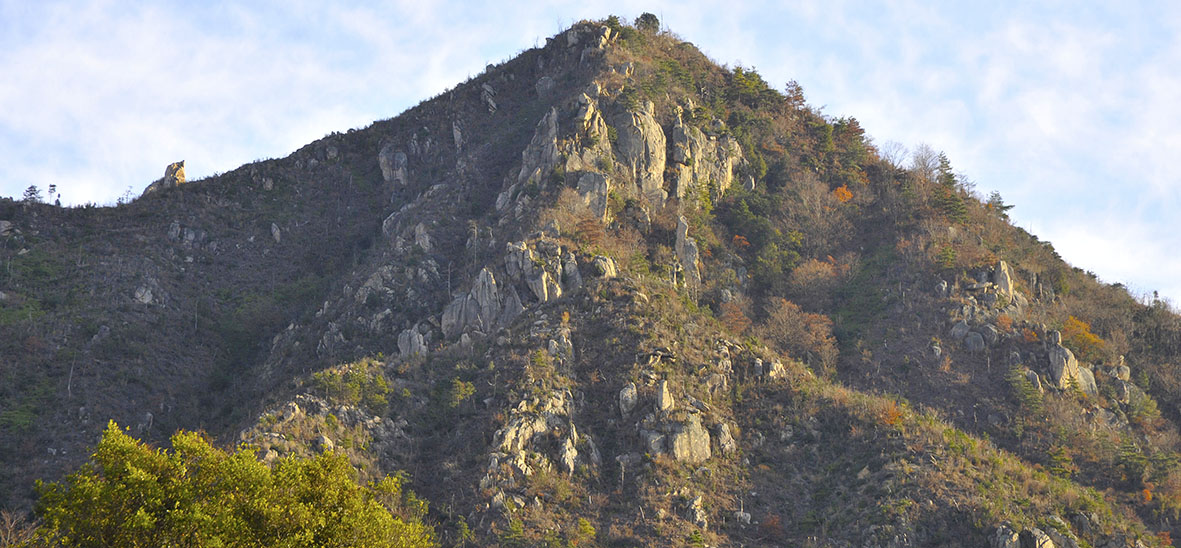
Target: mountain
[[608, 293]]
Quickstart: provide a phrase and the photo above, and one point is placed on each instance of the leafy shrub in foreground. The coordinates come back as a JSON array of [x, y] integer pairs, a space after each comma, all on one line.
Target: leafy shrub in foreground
[[132, 495]]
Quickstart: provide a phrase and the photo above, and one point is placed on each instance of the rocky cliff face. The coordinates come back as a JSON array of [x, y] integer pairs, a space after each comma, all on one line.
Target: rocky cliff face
[[557, 293]]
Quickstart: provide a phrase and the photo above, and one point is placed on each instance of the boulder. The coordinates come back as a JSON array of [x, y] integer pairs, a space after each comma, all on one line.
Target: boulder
[[1060, 539], [974, 342], [603, 267], [689, 441], [276, 233], [1063, 366], [411, 343], [726, 442], [6, 228], [1086, 381], [480, 308], [1035, 538], [571, 276], [697, 512], [653, 442], [664, 397], [628, 397], [960, 330], [641, 147], [941, 288], [568, 455], [1004, 537], [174, 176], [143, 295], [595, 189], [393, 165], [991, 334]]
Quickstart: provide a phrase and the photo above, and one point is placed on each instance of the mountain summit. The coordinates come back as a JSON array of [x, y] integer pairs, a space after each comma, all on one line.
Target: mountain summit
[[608, 293]]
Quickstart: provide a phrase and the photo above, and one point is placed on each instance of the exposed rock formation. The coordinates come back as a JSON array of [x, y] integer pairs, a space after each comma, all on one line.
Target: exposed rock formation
[[702, 163], [641, 148], [628, 397], [422, 238], [595, 189], [664, 398], [1065, 369], [479, 309], [537, 160], [174, 176], [603, 267], [1002, 277], [689, 441], [1004, 537], [1035, 538], [594, 152], [393, 165], [411, 343], [688, 254]]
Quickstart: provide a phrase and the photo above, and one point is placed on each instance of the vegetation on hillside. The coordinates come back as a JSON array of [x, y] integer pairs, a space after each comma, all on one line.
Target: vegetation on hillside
[[194, 494], [827, 341]]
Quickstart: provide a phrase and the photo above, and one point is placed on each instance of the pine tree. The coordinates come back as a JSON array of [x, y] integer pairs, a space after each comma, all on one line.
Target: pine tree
[[33, 195]]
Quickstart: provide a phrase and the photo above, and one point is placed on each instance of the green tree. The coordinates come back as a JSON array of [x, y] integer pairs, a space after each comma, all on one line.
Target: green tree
[[33, 195], [947, 197], [132, 495], [648, 22]]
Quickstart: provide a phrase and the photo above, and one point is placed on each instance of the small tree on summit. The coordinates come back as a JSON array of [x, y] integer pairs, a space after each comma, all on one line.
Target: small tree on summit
[[32, 195], [648, 22]]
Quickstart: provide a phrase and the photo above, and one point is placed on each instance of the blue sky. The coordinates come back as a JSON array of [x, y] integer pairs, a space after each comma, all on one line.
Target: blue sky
[[1068, 109]]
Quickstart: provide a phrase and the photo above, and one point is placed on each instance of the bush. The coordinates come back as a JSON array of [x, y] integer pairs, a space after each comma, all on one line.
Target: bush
[[648, 22], [361, 383], [803, 335], [1077, 336], [197, 495]]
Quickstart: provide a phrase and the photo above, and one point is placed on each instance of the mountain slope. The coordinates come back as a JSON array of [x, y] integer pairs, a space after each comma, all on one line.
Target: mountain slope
[[610, 292]]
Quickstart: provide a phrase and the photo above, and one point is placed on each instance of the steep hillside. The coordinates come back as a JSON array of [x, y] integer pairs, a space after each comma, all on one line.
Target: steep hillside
[[609, 292]]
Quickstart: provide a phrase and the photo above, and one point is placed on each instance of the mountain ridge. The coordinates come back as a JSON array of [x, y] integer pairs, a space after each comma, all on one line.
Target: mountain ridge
[[625, 225]]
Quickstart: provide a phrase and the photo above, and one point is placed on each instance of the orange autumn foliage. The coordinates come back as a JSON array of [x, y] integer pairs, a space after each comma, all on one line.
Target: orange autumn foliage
[[842, 194]]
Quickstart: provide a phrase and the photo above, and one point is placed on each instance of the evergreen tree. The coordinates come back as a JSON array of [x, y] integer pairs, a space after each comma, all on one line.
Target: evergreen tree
[[33, 195]]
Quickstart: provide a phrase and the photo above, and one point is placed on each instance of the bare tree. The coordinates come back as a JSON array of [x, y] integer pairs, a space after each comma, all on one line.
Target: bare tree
[[925, 162], [893, 152], [15, 529]]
